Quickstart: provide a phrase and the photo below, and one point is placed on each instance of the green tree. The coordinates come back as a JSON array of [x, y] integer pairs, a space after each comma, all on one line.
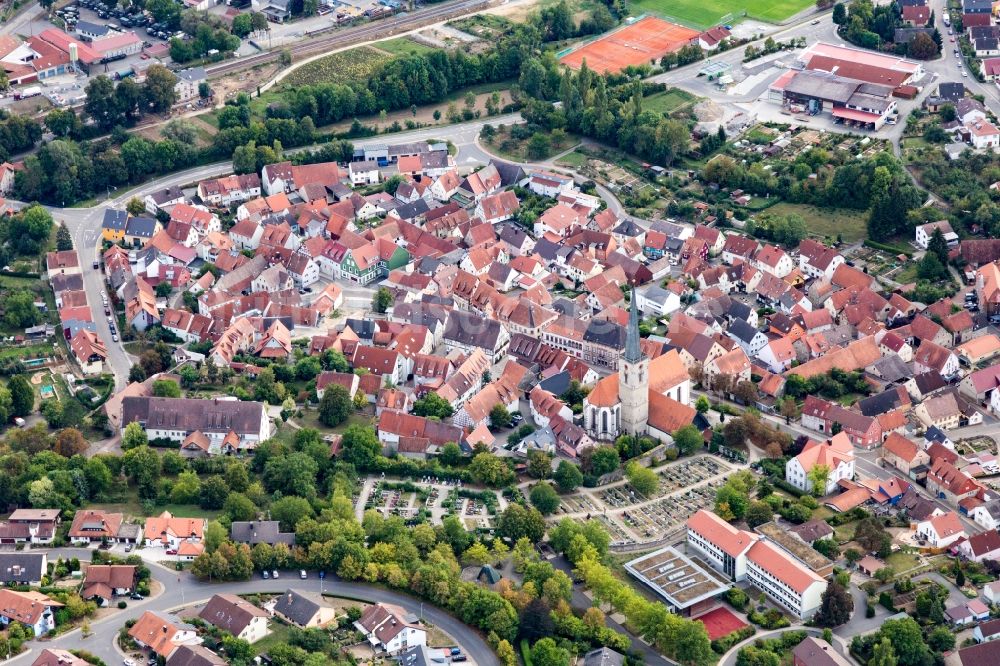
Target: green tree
[[290, 510], [64, 241], [336, 406], [818, 476], [907, 641], [547, 653], [758, 513], [938, 246], [433, 405], [451, 454], [142, 465], [941, 640], [539, 146], [567, 476], [702, 404], [836, 607], [186, 488], [166, 388], [539, 465], [544, 497], [360, 446], [22, 396], [382, 300], [692, 645], [19, 310], [159, 89], [500, 417], [643, 480], [490, 470], [518, 522], [883, 654], [213, 493], [133, 436], [688, 440], [603, 460], [839, 14]]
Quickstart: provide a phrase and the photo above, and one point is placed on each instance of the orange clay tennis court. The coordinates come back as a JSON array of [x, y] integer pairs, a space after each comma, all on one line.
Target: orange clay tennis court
[[640, 43]]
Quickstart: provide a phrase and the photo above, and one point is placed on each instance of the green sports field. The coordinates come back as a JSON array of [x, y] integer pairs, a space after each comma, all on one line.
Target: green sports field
[[706, 13]]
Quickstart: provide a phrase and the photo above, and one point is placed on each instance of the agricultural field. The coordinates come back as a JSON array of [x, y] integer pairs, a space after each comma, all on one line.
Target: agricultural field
[[669, 101], [706, 13], [402, 46], [343, 67]]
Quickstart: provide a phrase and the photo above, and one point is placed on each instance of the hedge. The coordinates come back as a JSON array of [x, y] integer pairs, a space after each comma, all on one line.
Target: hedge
[[885, 247], [722, 645], [787, 487]]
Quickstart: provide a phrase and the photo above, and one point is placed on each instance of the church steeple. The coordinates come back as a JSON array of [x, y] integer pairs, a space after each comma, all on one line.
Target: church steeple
[[633, 353]]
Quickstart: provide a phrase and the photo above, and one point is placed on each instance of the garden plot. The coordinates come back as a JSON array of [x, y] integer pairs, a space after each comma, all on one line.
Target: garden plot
[[690, 472], [658, 519]]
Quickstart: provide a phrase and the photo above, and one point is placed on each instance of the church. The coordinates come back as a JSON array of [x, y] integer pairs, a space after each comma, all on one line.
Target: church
[[645, 397]]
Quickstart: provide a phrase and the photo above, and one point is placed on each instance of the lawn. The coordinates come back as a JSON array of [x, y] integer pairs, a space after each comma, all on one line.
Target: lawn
[[900, 561], [402, 46], [355, 65], [706, 13], [310, 419], [278, 636], [850, 225], [187, 511], [31, 351], [574, 159], [668, 101]]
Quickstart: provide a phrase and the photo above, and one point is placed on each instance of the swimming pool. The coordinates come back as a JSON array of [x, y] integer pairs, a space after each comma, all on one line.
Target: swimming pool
[[34, 362], [47, 392]]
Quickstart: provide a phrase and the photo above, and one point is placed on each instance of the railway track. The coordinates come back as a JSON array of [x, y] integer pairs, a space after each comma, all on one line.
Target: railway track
[[340, 38]]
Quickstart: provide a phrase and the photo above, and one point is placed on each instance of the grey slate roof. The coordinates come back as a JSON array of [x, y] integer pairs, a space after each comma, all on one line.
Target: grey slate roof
[[603, 657], [143, 227], [880, 403], [298, 607], [21, 568], [607, 333], [114, 219], [189, 414], [472, 330], [743, 331]]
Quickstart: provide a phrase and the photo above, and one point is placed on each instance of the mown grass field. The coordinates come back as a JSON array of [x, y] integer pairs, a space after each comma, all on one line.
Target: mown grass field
[[402, 46], [343, 67], [668, 101], [828, 222], [706, 13]]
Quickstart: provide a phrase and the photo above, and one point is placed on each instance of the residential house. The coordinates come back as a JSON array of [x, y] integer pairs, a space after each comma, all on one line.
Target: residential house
[[904, 455], [836, 455], [161, 634], [980, 547], [33, 610], [104, 582], [303, 609], [941, 531], [236, 616], [169, 532], [23, 568], [391, 629]]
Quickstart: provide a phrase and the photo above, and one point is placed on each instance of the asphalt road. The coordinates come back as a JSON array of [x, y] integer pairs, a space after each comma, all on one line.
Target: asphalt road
[[85, 223], [183, 589]]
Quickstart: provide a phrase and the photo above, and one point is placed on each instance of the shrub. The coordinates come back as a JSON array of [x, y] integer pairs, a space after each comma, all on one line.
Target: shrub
[[122, 604], [870, 611], [737, 598], [722, 645]]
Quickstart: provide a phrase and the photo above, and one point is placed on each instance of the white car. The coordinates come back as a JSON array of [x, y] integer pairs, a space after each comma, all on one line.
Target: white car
[[302, 574]]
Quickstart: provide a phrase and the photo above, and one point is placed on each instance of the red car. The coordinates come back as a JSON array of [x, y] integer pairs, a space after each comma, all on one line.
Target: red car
[[171, 552]]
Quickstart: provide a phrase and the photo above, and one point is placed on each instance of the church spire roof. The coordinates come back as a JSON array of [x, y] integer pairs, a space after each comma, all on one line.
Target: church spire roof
[[633, 354]]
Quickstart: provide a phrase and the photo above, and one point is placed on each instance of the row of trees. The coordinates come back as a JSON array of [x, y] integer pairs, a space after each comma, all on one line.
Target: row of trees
[[110, 105]]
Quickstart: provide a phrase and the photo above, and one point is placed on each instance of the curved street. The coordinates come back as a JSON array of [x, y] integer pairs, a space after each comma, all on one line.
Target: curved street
[[181, 589]]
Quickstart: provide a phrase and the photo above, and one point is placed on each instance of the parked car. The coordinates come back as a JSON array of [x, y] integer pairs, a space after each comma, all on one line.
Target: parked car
[[128, 548], [303, 575], [171, 552], [266, 575], [274, 574], [135, 596]]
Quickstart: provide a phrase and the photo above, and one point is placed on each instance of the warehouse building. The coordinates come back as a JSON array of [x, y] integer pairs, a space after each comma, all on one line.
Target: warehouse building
[[851, 101]]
